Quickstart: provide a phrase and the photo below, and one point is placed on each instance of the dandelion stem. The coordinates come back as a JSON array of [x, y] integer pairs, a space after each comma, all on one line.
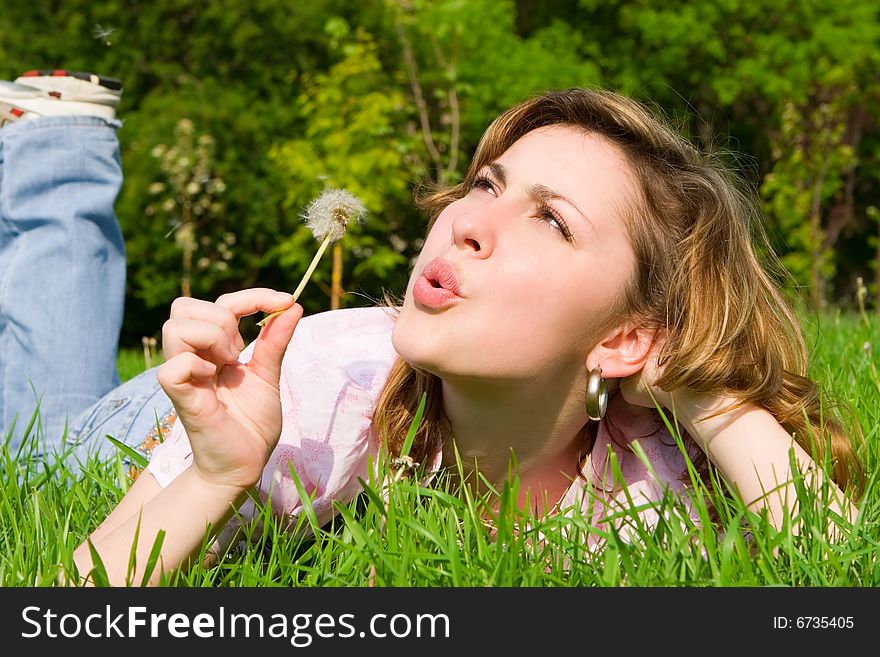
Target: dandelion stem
[[314, 263], [326, 217], [305, 279]]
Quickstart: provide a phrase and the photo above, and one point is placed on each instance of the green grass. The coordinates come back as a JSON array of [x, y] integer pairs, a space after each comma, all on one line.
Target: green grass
[[132, 361], [434, 536]]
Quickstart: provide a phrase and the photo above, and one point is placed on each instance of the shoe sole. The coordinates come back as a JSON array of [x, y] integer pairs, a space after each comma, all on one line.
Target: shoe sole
[[108, 83]]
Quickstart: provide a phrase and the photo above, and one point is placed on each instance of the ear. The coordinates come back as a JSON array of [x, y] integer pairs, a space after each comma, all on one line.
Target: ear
[[624, 351]]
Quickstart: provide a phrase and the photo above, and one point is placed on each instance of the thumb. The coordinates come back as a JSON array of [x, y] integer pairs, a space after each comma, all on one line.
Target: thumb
[[272, 343]]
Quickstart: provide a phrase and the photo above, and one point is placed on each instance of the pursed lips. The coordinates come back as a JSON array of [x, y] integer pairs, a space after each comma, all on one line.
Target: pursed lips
[[440, 272]]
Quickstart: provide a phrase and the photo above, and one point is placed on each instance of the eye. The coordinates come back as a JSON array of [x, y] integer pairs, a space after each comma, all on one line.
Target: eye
[[482, 182], [551, 217]]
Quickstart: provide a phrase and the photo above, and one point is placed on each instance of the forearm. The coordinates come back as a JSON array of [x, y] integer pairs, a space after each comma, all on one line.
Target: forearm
[[751, 449], [183, 510]]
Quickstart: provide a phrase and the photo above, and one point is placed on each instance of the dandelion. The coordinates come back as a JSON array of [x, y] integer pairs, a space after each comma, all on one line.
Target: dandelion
[[327, 217], [102, 33]]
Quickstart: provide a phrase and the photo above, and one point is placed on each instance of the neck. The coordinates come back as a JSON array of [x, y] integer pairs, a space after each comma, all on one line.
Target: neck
[[534, 429]]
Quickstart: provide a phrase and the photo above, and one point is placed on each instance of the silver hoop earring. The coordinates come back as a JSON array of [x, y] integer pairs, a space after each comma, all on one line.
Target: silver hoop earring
[[597, 394]]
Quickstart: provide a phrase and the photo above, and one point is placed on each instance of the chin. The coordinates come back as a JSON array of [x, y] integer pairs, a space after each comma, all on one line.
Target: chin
[[414, 348]]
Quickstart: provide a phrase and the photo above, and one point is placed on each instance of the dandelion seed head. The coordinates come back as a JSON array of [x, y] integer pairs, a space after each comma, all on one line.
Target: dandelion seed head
[[331, 212], [102, 33]]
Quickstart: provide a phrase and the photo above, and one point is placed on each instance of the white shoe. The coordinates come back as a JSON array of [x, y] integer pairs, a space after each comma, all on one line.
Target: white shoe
[[59, 93], [10, 113], [75, 85]]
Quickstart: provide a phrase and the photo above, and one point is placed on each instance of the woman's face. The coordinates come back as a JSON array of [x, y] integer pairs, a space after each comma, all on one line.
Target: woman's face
[[530, 302]]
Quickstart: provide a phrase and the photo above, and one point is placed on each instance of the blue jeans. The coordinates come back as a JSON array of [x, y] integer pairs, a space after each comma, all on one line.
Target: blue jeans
[[62, 284], [129, 413]]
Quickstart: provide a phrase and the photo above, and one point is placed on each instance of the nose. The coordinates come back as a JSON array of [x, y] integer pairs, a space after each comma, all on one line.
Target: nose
[[475, 230]]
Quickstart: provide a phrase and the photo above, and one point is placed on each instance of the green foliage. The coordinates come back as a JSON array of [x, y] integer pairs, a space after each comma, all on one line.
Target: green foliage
[[353, 139], [807, 172], [383, 95], [474, 45]]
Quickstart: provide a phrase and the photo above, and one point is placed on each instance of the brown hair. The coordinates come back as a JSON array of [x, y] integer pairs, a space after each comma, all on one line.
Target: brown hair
[[697, 236]]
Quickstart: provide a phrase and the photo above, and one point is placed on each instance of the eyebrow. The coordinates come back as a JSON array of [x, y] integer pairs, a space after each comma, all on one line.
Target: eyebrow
[[539, 192]]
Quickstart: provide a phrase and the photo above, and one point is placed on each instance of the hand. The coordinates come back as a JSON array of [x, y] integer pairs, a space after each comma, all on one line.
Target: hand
[[231, 411], [690, 406], [637, 388]]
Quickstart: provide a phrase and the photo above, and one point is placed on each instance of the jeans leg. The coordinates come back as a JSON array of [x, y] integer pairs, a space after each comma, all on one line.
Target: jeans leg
[[62, 270], [128, 413]]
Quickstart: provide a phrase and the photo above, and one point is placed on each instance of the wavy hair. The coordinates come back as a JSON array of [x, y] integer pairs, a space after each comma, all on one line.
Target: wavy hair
[[704, 275]]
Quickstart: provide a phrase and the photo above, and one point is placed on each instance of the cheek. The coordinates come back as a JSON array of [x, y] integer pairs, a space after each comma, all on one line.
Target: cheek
[[567, 300], [541, 279], [441, 229]]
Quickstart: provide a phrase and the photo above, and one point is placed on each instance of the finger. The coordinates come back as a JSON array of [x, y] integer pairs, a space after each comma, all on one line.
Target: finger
[[272, 343], [254, 300], [205, 339], [188, 382], [207, 311]]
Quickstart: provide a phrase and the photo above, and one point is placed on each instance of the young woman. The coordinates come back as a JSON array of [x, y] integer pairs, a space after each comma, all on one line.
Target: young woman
[[591, 263]]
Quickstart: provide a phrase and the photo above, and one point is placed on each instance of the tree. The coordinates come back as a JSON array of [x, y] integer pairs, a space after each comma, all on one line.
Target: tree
[[353, 139]]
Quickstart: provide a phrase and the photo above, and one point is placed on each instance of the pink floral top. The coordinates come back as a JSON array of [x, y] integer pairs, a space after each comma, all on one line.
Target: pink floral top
[[332, 375]]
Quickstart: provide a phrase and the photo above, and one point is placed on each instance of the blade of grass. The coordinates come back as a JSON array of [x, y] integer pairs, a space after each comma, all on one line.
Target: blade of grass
[[154, 557], [132, 555], [136, 457], [305, 500], [413, 427], [98, 574]]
